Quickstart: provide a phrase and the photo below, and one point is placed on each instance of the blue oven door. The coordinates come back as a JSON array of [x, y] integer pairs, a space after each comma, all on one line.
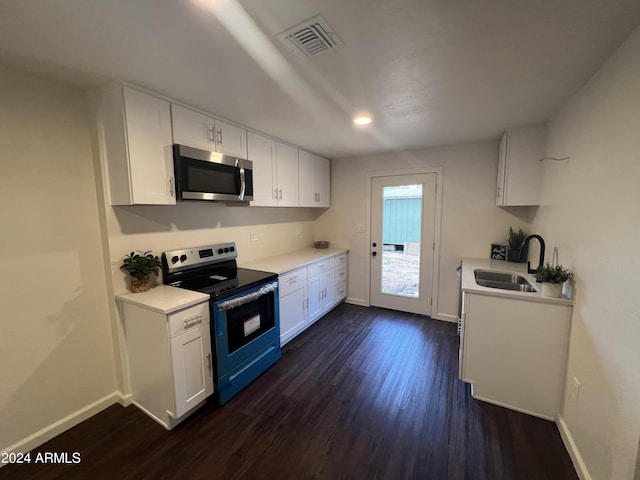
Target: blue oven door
[[246, 334]]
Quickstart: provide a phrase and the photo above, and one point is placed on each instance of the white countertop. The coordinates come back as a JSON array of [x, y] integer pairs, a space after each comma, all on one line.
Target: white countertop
[[290, 261], [164, 299], [469, 280]]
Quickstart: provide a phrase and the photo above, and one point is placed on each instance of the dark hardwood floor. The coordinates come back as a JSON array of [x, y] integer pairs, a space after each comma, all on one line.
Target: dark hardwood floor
[[365, 393]]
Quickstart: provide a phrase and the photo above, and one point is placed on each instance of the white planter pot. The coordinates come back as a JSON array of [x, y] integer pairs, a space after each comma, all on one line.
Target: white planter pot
[[553, 290]]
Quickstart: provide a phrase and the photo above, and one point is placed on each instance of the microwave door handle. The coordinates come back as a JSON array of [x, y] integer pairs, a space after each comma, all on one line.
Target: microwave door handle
[[243, 183]]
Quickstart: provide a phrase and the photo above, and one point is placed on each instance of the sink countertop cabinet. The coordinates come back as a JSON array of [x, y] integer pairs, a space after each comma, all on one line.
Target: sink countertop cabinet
[[513, 345]]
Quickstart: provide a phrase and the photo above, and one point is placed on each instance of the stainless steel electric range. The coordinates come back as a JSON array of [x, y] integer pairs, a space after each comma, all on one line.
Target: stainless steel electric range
[[245, 326]]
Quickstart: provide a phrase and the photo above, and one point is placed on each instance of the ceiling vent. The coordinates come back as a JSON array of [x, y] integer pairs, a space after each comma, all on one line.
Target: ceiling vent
[[311, 38]]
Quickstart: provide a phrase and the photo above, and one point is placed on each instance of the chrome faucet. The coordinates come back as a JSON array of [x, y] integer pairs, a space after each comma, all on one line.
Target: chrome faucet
[[524, 248]]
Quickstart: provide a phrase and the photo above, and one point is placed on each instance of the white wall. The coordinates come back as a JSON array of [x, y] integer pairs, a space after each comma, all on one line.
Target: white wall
[[56, 352], [191, 224], [470, 219], [592, 215]]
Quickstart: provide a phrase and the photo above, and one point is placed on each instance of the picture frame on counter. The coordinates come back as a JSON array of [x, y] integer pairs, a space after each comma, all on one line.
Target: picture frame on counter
[[498, 252]]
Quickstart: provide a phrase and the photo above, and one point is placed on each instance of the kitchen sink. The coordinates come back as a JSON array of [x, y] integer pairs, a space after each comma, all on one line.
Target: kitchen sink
[[503, 280]]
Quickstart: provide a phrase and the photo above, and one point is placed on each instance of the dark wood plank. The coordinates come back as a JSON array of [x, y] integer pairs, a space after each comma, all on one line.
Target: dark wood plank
[[365, 393]]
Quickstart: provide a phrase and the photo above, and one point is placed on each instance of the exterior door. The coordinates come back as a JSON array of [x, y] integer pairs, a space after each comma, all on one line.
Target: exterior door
[[402, 240]]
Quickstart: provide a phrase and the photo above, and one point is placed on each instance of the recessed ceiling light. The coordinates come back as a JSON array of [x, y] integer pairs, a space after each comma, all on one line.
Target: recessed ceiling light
[[362, 120]]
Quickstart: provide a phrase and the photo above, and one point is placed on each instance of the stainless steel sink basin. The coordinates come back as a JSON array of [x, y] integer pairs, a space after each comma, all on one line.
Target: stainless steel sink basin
[[503, 280]]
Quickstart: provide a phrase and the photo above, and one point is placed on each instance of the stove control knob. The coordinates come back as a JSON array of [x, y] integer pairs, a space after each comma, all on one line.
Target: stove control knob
[[183, 257], [226, 249], [220, 251], [232, 249], [174, 259]]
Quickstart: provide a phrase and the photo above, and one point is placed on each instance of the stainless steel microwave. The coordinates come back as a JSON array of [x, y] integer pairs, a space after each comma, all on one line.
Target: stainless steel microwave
[[211, 176]]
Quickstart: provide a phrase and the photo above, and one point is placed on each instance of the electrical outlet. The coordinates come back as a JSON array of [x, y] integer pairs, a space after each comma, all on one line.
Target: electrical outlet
[[575, 390], [254, 236]]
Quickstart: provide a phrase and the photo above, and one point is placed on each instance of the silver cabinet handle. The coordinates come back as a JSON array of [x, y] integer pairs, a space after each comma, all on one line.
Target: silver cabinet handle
[[499, 192], [171, 191], [220, 135], [209, 365], [280, 195], [190, 322], [212, 138], [275, 193]]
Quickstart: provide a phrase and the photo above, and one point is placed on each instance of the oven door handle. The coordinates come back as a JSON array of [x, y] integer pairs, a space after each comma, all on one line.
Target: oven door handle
[[251, 297]]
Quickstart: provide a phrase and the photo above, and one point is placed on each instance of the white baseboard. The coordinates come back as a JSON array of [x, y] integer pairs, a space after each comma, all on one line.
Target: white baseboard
[[47, 433], [356, 301], [574, 453], [124, 400], [445, 317]]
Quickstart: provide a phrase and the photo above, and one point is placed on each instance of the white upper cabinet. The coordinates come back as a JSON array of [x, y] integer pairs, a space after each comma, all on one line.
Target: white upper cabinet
[[231, 140], [314, 180], [134, 130], [202, 131], [261, 151], [275, 172], [519, 166], [287, 175], [192, 128]]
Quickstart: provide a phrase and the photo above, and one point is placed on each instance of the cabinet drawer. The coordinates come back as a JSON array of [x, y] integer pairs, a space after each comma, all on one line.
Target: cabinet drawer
[[340, 274], [341, 291], [321, 266], [341, 260], [291, 280], [188, 318]]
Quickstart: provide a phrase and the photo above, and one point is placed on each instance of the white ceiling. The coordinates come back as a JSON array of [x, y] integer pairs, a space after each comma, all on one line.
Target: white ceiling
[[431, 72]]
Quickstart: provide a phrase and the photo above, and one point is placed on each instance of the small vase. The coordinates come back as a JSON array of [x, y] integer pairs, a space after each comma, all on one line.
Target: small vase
[[553, 290], [138, 286]]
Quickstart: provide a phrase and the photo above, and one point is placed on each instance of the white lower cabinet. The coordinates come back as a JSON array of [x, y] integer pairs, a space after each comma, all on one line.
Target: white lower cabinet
[[309, 292], [293, 303], [514, 352], [321, 288], [169, 359]]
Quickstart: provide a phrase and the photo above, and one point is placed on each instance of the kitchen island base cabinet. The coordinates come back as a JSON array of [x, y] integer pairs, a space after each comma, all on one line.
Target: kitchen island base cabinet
[[169, 358], [514, 352]]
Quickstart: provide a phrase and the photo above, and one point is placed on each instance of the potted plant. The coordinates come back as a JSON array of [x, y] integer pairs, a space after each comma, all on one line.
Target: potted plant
[[552, 279], [140, 266], [516, 239]]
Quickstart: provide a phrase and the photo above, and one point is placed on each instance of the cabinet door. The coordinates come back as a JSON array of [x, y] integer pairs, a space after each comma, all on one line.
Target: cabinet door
[[328, 290], [314, 297], [192, 128], [519, 167], [192, 368], [306, 179], [313, 180], [287, 175], [230, 140], [260, 150], [323, 181], [292, 313], [502, 165], [148, 126]]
